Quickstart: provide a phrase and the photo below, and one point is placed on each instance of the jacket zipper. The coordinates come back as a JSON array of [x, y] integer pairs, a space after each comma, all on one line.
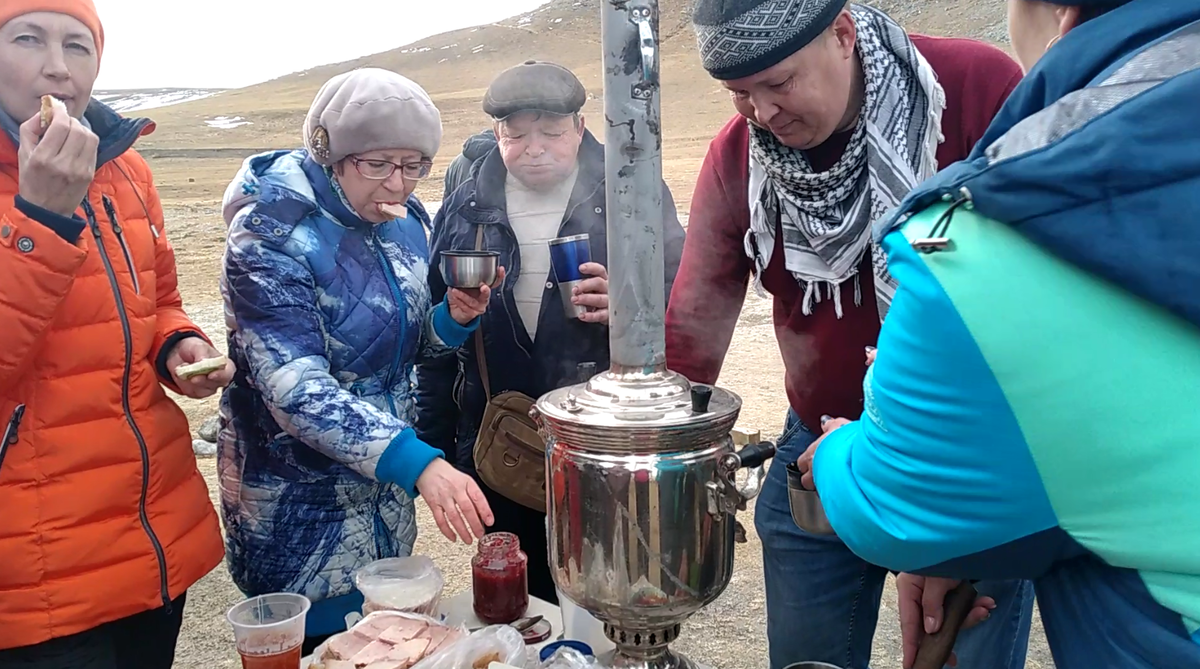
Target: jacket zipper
[[116, 226], [125, 405], [393, 286], [386, 266], [381, 529], [512, 323], [10, 432], [460, 381]]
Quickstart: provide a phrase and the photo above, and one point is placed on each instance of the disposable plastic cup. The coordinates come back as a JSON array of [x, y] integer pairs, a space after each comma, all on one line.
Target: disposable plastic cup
[[269, 630], [578, 624]]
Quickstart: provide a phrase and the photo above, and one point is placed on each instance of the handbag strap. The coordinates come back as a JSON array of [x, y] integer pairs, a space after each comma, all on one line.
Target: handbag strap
[[480, 357]]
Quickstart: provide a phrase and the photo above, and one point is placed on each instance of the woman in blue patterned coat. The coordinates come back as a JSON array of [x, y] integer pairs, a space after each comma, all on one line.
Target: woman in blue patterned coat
[[328, 310]]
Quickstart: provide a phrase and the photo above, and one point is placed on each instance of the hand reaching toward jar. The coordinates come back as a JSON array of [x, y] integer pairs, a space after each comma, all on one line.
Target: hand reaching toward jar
[[457, 503]]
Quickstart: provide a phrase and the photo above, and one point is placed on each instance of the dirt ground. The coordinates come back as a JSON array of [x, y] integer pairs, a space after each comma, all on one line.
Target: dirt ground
[[728, 635]]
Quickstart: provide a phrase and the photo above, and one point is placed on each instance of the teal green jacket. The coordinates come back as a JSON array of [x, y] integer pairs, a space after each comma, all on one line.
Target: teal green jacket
[[1034, 408]]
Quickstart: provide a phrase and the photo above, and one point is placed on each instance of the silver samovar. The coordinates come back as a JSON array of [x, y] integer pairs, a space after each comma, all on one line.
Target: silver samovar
[[641, 463]]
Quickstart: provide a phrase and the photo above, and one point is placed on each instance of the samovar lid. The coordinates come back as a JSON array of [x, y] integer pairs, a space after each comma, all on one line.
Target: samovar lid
[[646, 412]]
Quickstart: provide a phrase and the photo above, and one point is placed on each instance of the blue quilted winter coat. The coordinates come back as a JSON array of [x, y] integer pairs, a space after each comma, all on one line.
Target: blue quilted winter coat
[[327, 316]]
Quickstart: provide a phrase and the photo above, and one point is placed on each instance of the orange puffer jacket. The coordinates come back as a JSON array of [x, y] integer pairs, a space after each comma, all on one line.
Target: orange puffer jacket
[[103, 513]]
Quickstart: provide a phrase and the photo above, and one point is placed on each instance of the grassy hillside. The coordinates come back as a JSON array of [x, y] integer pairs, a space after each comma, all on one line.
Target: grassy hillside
[[195, 160]]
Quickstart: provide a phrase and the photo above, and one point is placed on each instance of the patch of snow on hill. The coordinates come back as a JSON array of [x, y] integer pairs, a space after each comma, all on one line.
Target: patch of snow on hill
[[138, 100], [226, 122]]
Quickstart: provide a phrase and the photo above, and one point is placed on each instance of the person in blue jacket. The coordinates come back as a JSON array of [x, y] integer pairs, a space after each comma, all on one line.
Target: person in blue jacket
[[1032, 409], [328, 312]]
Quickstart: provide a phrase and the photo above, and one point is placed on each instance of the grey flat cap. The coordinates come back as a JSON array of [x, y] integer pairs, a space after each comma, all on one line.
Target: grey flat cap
[[534, 86], [370, 109]]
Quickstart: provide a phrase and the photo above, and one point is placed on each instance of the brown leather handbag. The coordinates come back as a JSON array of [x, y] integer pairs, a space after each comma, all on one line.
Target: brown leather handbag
[[510, 455]]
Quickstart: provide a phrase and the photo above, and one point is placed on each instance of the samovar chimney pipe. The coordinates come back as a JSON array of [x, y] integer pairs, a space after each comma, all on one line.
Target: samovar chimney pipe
[[634, 187], [641, 493]]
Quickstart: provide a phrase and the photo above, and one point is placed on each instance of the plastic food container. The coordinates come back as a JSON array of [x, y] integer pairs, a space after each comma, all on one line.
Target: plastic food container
[[410, 584]]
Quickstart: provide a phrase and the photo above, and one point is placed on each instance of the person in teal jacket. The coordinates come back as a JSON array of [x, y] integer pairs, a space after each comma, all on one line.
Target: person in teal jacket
[[1033, 409]]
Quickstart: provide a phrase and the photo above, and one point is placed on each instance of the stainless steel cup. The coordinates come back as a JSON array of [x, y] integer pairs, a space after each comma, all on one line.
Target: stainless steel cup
[[812, 665], [807, 511], [469, 269]]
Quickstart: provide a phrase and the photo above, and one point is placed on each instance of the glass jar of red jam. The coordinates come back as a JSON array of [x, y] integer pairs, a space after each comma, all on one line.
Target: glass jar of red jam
[[500, 579]]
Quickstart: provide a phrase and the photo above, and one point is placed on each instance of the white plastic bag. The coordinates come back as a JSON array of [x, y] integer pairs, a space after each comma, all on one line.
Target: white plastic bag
[[497, 643], [569, 658]]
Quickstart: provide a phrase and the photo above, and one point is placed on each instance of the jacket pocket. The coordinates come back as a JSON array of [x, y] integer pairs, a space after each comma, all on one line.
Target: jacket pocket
[[11, 431]]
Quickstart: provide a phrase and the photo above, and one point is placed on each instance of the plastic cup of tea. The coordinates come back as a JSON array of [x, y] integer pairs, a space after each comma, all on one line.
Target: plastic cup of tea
[[269, 630]]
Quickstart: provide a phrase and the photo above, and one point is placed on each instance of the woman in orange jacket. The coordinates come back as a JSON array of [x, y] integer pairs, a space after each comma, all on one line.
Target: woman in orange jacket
[[104, 519]]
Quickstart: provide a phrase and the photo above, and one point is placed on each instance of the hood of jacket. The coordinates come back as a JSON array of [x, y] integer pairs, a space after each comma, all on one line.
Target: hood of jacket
[[477, 146], [1095, 156]]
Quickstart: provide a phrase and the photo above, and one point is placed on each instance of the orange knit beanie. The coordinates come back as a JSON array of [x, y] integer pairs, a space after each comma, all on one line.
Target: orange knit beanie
[[84, 10]]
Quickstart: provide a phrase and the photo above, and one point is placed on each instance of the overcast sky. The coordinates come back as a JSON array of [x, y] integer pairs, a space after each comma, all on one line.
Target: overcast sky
[[232, 43]]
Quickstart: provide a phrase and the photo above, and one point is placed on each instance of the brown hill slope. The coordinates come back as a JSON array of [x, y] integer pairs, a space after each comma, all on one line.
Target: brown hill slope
[[456, 67]]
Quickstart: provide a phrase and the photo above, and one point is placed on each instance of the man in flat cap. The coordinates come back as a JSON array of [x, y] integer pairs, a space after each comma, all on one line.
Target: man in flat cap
[[839, 114], [543, 180]]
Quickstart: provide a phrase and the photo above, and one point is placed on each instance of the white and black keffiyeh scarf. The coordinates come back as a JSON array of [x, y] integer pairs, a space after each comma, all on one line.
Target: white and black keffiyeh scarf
[[826, 217]]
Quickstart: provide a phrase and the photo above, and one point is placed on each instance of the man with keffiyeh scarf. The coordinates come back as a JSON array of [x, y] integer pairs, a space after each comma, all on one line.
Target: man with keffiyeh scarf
[[841, 114], [1042, 367]]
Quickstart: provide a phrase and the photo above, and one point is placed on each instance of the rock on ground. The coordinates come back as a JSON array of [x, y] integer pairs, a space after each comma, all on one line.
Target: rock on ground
[[204, 449], [208, 429]]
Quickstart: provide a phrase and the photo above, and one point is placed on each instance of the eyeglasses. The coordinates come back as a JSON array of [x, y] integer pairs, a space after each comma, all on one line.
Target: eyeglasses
[[382, 169]]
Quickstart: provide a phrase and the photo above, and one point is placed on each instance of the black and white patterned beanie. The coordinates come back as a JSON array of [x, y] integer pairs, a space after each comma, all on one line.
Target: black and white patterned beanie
[[739, 38]]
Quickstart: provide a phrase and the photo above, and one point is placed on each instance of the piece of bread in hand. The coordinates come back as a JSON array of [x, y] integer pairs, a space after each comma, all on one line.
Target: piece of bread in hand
[[201, 368], [49, 104]]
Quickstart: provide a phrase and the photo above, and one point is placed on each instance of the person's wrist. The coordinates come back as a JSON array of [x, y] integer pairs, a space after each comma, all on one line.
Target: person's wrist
[[28, 198], [448, 328]]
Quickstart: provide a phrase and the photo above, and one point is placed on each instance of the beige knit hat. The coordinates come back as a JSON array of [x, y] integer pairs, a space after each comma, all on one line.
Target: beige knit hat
[[370, 109]]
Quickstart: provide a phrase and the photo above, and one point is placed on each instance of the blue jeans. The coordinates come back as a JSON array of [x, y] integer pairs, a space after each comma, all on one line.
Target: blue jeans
[[823, 601]]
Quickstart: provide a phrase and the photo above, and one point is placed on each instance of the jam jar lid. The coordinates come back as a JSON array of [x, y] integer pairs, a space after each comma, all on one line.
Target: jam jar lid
[[537, 632]]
